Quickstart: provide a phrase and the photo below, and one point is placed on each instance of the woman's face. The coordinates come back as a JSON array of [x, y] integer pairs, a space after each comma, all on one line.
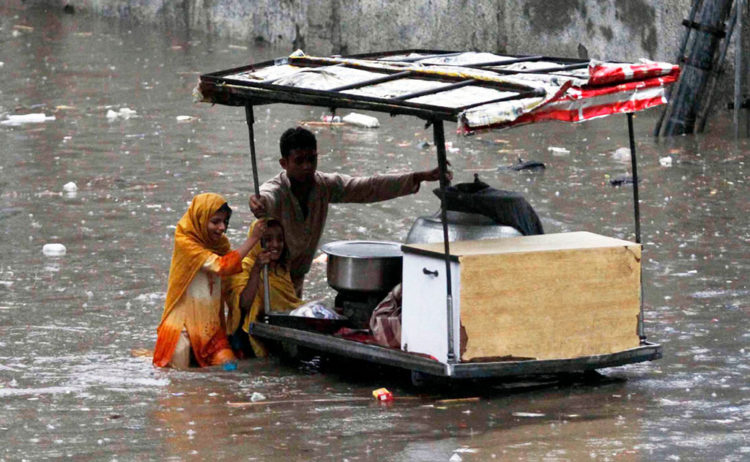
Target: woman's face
[[217, 226], [274, 241]]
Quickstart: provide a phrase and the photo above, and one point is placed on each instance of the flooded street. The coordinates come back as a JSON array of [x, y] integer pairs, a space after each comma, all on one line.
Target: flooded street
[[71, 385]]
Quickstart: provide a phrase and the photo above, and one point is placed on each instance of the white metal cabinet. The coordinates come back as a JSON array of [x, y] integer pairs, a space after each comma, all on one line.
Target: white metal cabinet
[[424, 318]]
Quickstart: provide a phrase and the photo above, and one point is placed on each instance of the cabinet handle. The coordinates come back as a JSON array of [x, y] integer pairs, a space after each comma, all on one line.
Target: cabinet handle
[[430, 273]]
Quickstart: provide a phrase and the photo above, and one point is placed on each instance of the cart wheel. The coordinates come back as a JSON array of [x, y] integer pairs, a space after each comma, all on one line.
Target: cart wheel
[[290, 350], [418, 379]]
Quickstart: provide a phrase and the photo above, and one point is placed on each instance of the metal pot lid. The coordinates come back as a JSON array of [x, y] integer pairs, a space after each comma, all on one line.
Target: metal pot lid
[[363, 249]]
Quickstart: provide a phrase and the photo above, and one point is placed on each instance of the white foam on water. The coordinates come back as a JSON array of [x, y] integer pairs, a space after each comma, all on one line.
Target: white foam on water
[[6, 392]]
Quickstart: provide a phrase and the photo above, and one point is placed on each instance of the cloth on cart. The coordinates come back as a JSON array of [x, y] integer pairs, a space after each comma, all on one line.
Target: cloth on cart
[[504, 207], [385, 321]]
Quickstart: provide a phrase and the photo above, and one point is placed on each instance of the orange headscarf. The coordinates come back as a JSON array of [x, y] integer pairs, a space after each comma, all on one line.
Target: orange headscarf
[[192, 247]]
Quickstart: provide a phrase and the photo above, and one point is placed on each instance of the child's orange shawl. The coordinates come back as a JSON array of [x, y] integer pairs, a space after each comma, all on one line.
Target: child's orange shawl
[[192, 249]]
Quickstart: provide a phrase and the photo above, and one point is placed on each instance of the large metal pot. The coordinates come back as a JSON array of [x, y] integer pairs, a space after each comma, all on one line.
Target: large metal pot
[[363, 266], [461, 227]]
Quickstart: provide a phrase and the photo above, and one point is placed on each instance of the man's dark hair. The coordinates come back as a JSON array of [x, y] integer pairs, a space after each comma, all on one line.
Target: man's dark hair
[[297, 138]]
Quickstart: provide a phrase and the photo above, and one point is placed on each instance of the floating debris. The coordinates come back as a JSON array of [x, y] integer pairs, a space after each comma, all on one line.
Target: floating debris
[[665, 161], [255, 397], [557, 151], [528, 414], [123, 113], [70, 187], [533, 165], [361, 120], [622, 180], [621, 154], [382, 394], [53, 250], [33, 118], [449, 147]]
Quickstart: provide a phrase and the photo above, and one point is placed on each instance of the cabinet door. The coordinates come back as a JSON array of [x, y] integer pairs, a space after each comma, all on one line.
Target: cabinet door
[[424, 317]]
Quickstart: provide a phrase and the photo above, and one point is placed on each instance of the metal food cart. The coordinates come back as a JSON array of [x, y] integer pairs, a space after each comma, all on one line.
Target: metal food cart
[[479, 91]]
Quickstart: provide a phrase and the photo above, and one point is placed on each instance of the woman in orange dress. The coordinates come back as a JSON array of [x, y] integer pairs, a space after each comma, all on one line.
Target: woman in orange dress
[[192, 327]]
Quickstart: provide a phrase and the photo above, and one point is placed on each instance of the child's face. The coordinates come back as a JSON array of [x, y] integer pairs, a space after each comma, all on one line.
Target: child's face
[[274, 240], [300, 165], [217, 225]]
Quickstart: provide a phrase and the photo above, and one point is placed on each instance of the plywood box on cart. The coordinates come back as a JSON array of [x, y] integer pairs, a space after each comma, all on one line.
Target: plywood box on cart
[[552, 296]]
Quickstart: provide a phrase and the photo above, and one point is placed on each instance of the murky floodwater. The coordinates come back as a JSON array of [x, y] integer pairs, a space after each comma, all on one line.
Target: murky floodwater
[[70, 387]]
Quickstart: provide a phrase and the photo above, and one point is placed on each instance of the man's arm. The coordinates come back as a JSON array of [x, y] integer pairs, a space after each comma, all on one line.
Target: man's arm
[[376, 188]]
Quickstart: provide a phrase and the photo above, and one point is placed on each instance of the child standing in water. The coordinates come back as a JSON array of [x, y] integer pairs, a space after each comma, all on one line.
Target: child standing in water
[[246, 288], [192, 326]]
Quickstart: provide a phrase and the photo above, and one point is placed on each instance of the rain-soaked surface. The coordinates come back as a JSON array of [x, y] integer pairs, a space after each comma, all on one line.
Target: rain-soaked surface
[[70, 385]]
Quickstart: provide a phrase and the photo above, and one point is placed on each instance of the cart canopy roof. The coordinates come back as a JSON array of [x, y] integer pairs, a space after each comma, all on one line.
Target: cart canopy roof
[[477, 90]]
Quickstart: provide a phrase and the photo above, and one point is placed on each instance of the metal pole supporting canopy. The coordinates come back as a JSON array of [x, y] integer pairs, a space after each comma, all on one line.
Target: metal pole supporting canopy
[[256, 184], [439, 136], [637, 212]]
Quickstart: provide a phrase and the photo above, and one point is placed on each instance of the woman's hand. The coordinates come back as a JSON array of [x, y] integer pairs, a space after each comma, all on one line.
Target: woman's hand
[[253, 238], [258, 230]]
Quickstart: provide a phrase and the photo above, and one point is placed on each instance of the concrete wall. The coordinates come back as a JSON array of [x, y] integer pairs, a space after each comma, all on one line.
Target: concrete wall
[[616, 29], [623, 30]]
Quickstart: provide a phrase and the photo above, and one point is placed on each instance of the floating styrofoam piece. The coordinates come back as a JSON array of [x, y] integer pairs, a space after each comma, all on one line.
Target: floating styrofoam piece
[[126, 113], [185, 118], [70, 187], [665, 161], [123, 113], [54, 250], [361, 120], [558, 151], [33, 118], [255, 397]]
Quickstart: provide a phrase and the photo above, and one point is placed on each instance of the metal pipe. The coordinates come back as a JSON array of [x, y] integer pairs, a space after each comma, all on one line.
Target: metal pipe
[[739, 10], [432, 91], [634, 165], [685, 38], [706, 108], [250, 118], [439, 136], [366, 83], [504, 62], [637, 210]]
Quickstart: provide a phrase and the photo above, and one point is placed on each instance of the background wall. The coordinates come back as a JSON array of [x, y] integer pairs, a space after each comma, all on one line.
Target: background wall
[[617, 29], [624, 30]]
